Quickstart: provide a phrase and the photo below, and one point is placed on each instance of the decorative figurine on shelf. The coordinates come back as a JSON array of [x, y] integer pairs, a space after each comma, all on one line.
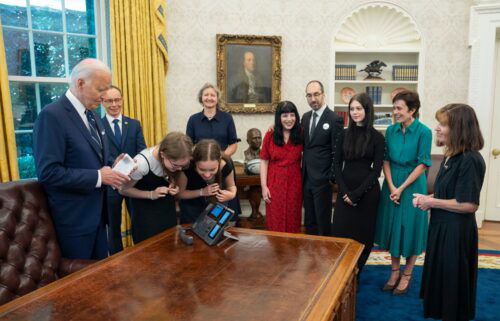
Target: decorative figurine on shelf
[[374, 69], [252, 154]]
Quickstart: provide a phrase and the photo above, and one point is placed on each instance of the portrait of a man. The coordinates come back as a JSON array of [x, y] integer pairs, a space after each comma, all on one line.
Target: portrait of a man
[[249, 74]]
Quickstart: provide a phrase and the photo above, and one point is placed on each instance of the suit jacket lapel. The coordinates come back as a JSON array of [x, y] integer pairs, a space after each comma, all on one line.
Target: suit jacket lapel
[[125, 125], [324, 115], [306, 120], [78, 122], [108, 129]]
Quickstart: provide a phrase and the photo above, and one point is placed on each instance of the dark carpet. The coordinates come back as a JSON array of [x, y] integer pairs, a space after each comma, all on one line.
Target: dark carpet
[[374, 304]]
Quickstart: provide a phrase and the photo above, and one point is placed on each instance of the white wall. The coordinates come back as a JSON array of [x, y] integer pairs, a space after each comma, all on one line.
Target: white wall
[[307, 29]]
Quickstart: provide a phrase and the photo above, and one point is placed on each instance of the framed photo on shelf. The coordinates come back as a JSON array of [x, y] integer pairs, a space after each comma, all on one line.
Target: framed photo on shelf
[[249, 72], [382, 118]]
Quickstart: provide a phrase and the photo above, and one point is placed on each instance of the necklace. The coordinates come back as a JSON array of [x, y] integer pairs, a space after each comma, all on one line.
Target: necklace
[[446, 166]]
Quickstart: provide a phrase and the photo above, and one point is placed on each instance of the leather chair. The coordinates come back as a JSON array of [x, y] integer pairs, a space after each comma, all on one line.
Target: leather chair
[[29, 254]]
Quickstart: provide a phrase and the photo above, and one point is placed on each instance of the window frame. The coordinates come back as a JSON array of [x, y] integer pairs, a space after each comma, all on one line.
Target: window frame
[[101, 36]]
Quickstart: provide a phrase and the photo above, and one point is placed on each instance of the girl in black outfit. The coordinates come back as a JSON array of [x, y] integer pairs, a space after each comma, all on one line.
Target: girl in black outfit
[[154, 185], [357, 165], [449, 278], [209, 178]]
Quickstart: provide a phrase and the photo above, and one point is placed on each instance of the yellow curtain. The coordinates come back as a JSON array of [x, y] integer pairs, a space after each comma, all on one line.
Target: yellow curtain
[[8, 164], [139, 63]]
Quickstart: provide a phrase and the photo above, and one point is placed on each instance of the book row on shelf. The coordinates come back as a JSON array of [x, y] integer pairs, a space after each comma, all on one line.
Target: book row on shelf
[[405, 72], [375, 93], [399, 72]]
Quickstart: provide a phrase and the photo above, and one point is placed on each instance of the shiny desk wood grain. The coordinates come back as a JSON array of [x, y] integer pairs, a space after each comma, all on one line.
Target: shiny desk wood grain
[[264, 276]]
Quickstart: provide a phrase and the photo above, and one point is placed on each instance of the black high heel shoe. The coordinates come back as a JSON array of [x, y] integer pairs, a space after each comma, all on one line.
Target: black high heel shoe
[[403, 291], [390, 287]]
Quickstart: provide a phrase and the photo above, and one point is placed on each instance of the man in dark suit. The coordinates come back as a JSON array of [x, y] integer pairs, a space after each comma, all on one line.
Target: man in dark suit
[[322, 127], [71, 157], [124, 136]]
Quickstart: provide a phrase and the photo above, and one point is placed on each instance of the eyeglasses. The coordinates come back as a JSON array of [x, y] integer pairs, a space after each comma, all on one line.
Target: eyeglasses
[[177, 166], [315, 95], [111, 101]]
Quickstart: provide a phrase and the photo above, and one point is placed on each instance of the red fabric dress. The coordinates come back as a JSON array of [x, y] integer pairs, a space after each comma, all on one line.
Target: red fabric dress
[[284, 181]]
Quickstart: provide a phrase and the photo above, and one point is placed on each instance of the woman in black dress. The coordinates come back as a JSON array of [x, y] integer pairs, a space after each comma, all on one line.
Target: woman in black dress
[[450, 270], [154, 185], [356, 168], [209, 178]]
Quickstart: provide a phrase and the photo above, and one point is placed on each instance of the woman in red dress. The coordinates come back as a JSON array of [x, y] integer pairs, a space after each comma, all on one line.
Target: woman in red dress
[[280, 175]]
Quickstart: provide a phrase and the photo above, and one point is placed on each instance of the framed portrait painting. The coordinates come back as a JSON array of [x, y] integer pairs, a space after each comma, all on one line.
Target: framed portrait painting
[[249, 72]]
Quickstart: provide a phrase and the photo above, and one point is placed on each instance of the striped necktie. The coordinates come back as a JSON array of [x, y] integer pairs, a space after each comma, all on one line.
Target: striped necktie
[[94, 133]]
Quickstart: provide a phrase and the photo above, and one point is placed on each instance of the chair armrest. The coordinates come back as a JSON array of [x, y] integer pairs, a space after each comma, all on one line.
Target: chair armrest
[[69, 266]]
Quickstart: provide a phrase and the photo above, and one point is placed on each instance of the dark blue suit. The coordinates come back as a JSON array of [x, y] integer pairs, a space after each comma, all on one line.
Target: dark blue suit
[[67, 163], [132, 143]]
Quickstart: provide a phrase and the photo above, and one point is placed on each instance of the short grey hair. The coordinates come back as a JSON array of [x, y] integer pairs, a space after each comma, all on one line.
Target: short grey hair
[[85, 68]]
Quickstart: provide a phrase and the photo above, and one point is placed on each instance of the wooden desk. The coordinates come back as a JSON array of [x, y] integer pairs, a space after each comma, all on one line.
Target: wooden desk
[[264, 276]]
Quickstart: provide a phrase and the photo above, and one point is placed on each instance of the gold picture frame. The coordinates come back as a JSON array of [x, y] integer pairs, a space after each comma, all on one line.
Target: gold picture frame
[[249, 72]]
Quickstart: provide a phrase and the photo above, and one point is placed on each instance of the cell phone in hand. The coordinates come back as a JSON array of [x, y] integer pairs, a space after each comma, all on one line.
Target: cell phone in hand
[[125, 165]]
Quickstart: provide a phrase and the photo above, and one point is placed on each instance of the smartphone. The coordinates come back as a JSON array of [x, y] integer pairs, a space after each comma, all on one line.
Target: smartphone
[[125, 165]]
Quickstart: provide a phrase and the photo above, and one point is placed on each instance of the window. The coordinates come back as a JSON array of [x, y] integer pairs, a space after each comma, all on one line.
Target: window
[[44, 40]]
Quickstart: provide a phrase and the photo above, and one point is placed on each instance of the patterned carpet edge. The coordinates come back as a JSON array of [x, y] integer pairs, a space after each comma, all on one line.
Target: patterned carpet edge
[[487, 259]]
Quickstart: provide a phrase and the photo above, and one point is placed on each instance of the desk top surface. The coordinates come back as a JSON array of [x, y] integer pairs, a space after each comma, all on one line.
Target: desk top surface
[[263, 276]]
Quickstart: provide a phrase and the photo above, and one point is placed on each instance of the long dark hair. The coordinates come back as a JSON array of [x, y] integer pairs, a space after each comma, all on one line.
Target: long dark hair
[[295, 133], [357, 138]]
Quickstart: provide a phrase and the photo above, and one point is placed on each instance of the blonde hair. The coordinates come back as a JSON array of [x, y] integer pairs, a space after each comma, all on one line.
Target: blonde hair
[[217, 92]]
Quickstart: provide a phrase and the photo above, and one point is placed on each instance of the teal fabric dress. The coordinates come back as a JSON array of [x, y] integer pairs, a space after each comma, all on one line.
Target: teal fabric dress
[[402, 229]]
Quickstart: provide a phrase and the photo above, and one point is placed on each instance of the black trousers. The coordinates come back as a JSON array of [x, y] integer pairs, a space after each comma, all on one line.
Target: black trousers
[[114, 205], [317, 208]]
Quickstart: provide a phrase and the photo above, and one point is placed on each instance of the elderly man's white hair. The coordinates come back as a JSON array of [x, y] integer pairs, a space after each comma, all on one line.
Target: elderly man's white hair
[[85, 68]]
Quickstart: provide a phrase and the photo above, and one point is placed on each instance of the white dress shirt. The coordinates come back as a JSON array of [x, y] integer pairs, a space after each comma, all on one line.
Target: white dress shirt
[[319, 112], [112, 125]]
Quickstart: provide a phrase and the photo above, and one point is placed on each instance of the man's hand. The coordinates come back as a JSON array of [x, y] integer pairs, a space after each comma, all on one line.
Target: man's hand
[[112, 178], [119, 158]]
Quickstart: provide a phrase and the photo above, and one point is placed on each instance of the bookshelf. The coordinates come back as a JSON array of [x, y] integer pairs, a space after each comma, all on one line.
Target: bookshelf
[[377, 31]]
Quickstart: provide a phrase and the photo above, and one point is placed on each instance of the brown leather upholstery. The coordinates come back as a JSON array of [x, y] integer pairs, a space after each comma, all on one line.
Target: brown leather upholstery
[[29, 254], [433, 171]]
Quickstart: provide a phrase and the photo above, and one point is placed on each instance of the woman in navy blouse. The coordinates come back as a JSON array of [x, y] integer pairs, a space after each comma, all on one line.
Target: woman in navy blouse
[[213, 123]]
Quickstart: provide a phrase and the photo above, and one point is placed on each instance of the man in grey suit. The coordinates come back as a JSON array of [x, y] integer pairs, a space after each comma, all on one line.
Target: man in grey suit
[[322, 127]]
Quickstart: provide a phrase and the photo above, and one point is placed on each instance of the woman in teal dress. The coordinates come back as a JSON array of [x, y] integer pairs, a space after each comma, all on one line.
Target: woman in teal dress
[[401, 228]]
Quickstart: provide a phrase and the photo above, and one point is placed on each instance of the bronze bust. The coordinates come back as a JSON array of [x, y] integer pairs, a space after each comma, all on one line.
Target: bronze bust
[[254, 140]]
